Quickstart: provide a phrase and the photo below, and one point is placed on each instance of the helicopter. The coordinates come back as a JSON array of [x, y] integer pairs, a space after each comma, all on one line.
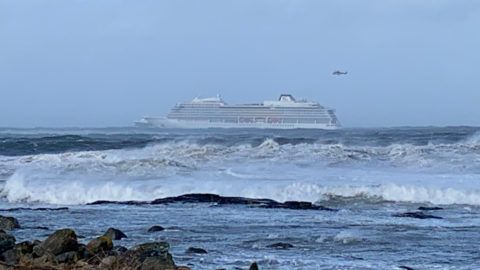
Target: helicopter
[[338, 72]]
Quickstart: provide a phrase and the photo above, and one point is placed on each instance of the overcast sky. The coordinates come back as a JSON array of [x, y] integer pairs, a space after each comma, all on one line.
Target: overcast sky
[[109, 62]]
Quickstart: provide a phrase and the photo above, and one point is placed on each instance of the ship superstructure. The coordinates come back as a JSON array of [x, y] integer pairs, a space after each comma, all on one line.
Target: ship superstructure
[[284, 113]]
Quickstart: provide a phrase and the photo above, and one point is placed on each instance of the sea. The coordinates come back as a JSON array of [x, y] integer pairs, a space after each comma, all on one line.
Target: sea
[[371, 176]]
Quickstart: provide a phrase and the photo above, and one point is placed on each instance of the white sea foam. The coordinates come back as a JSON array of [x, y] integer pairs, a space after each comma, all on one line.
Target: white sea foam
[[79, 189], [441, 173]]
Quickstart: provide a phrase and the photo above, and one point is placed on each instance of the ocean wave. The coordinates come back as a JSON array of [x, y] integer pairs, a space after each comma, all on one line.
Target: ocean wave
[[157, 160], [80, 189]]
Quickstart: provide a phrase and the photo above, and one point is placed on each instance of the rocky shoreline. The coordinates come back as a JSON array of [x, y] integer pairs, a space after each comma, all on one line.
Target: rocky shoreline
[[62, 250]]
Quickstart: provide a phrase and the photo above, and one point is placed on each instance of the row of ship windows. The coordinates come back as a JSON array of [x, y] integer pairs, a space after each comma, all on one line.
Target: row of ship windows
[[249, 113], [258, 120], [190, 108]]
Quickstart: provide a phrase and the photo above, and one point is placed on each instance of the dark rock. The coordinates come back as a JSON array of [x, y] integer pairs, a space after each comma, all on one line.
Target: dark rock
[[194, 250], [405, 267], [280, 245], [149, 256], [8, 223], [10, 257], [253, 266], [83, 252], [211, 198], [159, 263], [156, 228], [100, 244], [59, 242], [114, 234], [221, 200], [100, 202], [6, 241], [25, 247], [14, 255], [300, 205], [427, 208], [34, 209], [67, 257], [110, 262], [419, 215], [120, 249]]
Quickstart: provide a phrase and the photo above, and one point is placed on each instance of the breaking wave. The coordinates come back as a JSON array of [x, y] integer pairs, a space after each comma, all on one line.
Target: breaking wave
[[408, 165], [81, 190]]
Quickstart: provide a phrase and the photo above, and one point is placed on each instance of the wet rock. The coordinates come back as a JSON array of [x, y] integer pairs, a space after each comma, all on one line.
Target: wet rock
[[114, 234], [194, 250], [6, 241], [59, 242], [100, 244], [34, 209], [110, 262], [427, 208], [221, 200], [149, 256], [158, 263], [100, 202], [183, 268], [8, 223], [119, 249], [156, 228], [69, 257], [253, 266], [280, 245], [211, 198], [44, 261], [10, 257], [419, 215], [13, 255], [301, 205]]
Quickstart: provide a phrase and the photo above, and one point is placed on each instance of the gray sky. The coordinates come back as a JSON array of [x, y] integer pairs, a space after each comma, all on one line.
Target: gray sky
[[109, 62]]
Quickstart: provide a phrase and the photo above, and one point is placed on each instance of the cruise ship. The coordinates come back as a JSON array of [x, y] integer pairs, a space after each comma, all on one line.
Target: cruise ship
[[284, 113]]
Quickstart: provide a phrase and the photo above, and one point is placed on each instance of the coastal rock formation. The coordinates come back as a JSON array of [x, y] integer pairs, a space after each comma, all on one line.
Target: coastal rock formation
[[225, 200], [280, 245], [8, 223], [156, 228], [61, 241], [6, 241], [195, 250], [114, 234], [100, 244], [429, 208], [419, 215], [253, 266], [62, 251], [149, 256]]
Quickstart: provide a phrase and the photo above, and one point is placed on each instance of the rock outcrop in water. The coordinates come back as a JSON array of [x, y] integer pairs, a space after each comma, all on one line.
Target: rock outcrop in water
[[280, 245], [62, 251], [156, 228], [419, 215], [225, 200], [114, 234], [8, 223]]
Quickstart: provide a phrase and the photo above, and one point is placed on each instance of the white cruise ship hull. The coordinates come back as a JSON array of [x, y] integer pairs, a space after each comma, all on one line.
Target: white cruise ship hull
[[284, 113], [161, 122]]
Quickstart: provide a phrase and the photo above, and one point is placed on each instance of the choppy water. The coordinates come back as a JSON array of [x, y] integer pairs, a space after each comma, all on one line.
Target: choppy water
[[369, 174]]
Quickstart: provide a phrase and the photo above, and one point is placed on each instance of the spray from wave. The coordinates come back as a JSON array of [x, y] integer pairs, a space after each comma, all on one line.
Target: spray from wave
[[415, 169]]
